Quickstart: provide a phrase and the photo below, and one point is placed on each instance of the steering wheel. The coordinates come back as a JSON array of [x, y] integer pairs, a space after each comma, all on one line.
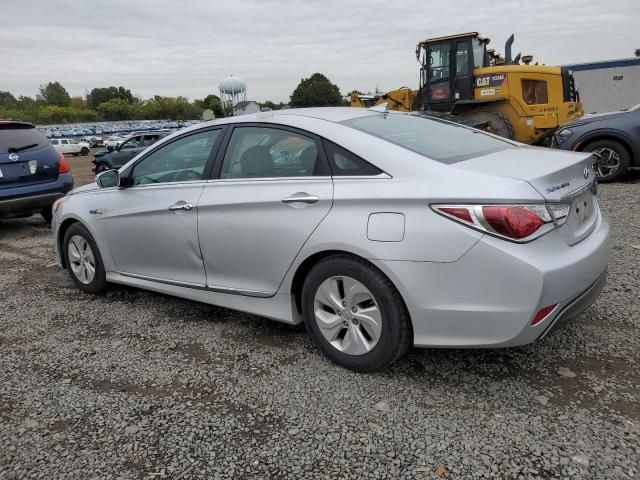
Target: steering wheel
[[186, 175]]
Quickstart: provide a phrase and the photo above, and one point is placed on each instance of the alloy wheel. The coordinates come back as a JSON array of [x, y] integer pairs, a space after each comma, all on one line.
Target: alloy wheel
[[348, 315], [606, 161], [81, 259]]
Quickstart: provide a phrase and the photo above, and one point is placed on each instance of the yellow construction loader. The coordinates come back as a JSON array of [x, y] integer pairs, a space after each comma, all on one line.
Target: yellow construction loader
[[460, 76]]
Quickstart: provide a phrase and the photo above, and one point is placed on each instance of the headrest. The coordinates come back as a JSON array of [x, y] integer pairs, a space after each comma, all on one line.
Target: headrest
[[257, 162]]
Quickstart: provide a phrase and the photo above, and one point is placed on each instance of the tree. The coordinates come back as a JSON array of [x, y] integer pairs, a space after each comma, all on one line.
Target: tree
[[637, 52], [117, 109], [54, 94], [272, 105], [101, 95], [8, 100], [316, 91], [211, 102]]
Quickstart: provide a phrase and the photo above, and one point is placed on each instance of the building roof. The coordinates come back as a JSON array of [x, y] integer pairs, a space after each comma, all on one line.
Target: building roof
[[623, 62]]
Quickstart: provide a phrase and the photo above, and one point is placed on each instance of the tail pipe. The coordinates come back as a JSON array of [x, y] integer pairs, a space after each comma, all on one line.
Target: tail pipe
[[507, 50]]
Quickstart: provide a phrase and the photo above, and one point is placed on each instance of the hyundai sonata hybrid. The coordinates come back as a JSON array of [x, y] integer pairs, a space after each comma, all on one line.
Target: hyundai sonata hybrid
[[378, 230]]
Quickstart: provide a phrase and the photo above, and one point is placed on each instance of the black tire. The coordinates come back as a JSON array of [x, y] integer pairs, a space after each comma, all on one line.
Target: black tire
[[498, 124], [99, 282], [396, 333], [102, 167], [47, 214], [624, 159], [84, 152]]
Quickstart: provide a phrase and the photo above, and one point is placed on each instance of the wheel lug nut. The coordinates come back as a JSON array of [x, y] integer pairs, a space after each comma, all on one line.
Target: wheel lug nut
[[354, 309], [344, 304], [345, 323], [339, 313]]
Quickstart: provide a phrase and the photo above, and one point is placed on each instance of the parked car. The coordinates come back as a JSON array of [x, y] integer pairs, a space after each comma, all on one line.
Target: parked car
[[93, 141], [33, 174], [613, 138], [71, 146], [114, 141], [132, 146], [388, 229]]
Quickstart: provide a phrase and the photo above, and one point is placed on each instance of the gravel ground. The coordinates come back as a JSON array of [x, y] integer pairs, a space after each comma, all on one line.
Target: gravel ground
[[137, 385]]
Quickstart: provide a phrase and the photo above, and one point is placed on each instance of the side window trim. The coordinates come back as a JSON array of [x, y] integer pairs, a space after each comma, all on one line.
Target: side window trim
[[217, 167], [160, 144]]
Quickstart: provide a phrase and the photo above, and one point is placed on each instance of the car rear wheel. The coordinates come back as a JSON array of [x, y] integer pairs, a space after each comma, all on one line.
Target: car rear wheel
[[355, 314], [84, 151], [610, 159], [83, 260]]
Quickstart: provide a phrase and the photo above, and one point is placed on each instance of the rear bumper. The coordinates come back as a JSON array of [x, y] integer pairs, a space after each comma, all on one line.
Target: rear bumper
[[33, 198], [489, 297]]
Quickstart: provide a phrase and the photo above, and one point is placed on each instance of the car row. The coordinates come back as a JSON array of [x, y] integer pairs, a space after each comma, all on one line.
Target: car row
[[378, 230], [33, 174], [124, 127]]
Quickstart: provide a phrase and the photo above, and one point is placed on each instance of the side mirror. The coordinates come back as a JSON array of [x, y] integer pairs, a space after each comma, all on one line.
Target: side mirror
[[108, 179]]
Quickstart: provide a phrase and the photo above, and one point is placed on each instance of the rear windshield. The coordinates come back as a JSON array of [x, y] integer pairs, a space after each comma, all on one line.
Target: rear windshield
[[435, 139], [16, 139]]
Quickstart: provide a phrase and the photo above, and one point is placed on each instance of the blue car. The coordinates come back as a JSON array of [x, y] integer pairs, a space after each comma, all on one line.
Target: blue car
[[33, 175]]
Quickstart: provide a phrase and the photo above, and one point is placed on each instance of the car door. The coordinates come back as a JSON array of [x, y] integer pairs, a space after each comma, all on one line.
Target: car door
[[262, 206], [74, 147], [64, 146], [152, 223]]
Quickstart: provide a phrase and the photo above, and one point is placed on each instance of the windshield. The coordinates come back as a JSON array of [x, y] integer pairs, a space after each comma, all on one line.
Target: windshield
[[478, 53], [435, 139], [21, 139]]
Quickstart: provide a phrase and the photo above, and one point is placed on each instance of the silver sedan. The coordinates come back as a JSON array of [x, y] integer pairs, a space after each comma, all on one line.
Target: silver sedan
[[377, 230]]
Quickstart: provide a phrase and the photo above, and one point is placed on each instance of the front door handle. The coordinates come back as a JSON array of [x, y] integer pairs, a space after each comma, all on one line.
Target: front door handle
[[181, 205], [301, 197]]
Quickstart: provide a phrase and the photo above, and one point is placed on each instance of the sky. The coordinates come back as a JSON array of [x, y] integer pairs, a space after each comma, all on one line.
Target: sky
[[185, 47]]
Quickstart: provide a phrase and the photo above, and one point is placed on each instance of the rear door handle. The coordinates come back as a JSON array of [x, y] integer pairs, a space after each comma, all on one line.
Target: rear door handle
[[181, 205], [301, 197]]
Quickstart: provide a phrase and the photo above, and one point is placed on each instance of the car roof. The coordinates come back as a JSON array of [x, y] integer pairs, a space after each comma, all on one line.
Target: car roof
[[330, 114]]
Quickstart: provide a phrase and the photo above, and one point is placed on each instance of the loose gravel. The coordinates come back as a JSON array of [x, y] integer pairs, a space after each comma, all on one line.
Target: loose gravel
[[137, 385]]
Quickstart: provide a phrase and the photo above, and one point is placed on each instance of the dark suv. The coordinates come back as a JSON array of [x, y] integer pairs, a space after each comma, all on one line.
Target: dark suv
[[128, 149], [33, 174]]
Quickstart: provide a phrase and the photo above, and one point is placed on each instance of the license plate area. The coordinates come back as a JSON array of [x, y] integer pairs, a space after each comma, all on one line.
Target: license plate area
[[16, 170], [582, 216]]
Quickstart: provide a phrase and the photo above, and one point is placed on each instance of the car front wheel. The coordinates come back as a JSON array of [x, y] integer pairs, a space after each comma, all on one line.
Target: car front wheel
[[84, 151], [83, 260], [355, 314], [610, 159]]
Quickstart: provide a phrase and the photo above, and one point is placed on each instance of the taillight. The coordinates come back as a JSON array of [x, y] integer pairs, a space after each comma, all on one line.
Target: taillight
[[63, 166], [512, 222], [520, 223]]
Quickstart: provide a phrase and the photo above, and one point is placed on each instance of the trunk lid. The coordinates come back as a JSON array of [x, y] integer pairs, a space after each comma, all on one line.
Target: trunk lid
[[553, 173], [558, 176]]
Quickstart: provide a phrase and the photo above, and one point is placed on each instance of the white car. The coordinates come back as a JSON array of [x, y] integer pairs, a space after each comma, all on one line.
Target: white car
[[70, 146], [114, 141]]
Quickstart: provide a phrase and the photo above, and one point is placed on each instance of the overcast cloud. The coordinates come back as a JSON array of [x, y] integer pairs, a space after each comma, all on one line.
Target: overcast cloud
[[185, 47]]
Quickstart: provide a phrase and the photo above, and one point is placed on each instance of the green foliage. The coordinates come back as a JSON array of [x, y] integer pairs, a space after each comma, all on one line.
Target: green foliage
[[213, 103], [173, 108], [101, 95], [54, 94], [637, 52], [272, 105], [118, 109], [316, 91], [7, 100], [55, 114]]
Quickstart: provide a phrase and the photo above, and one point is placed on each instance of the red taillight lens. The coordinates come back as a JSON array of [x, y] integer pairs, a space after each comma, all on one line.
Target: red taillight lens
[[462, 213], [542, 314], [511, 221], [64, 165]]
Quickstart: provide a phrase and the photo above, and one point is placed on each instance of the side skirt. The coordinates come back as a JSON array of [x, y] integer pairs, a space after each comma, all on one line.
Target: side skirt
[[277, 307]]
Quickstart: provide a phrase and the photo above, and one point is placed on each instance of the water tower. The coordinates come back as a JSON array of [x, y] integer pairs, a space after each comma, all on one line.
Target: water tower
[[232, 90]]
